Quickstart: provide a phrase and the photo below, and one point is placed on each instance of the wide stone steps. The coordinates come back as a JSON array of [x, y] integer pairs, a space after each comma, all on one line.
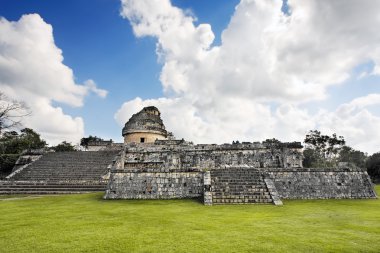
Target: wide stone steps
[[44, 192], [9, 187], [62, 173], [66, 166], [239, 186]]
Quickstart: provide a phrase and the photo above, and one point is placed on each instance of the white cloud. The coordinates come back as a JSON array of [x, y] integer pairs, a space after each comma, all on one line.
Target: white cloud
[[257, 83], [362, 102], [91, 86], [31, 70], [233, 119], [354, 121]]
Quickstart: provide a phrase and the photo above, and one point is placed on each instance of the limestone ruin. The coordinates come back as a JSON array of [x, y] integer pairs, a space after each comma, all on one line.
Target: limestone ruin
[[153, 166], [145, 126]]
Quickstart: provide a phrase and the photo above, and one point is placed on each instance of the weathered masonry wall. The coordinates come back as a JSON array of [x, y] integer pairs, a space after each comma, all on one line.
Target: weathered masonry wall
[[185, 156], [242, 185], [154, 185], [326, 183], [148, 137]]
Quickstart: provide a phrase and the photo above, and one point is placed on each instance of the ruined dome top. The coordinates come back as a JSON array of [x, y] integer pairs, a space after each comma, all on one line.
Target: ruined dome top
[[146, 120]]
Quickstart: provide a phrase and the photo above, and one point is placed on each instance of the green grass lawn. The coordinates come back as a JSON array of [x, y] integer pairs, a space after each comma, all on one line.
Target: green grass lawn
[[87, 223]]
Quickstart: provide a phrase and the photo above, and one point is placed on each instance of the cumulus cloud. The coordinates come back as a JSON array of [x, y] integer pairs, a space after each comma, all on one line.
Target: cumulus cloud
[[91, 86], [355, 120], [185, 121], [269, 65], [32, 71]]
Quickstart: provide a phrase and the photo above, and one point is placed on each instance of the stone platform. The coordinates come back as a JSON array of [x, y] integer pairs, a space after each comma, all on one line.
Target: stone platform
[[242, 173]]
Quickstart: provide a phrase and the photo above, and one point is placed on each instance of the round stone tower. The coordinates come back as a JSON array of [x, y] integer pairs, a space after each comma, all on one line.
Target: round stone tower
[[145, 127]]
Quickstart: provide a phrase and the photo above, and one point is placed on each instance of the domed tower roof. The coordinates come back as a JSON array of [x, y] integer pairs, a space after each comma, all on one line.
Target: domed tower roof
[[148, 120]]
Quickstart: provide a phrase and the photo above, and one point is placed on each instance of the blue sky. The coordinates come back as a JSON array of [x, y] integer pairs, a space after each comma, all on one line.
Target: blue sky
[[280, 69], [98, 44]]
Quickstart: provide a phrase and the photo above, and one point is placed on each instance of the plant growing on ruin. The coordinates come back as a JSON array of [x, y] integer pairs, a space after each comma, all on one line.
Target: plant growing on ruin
[[272, 142], [64, 147], [86, 140]]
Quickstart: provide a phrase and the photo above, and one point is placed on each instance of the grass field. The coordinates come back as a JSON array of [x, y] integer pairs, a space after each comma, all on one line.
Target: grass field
[[86, 223]]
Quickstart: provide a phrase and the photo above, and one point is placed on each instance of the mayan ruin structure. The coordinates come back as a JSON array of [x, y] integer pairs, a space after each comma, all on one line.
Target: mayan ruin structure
[[145, 126], [154, 165]]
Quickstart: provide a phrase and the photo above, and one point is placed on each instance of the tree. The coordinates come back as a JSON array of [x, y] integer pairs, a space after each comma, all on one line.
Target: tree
[[329, 146], [11, 112], [63, 147], [12, 144], [312, 158], [348, 154], [373, 167], [32, 139], [321, 150], [7, 162]]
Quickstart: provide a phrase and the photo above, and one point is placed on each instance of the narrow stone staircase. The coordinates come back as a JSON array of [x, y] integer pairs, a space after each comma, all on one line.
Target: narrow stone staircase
[[239, 186], [61, 172]]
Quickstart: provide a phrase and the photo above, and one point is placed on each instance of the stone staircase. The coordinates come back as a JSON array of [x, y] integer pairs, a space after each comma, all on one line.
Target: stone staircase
[[239, 186], [61, 172], [24, 187]]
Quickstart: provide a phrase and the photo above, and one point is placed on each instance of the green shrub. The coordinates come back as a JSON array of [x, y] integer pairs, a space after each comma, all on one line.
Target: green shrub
[[373, 167], [7, 161]]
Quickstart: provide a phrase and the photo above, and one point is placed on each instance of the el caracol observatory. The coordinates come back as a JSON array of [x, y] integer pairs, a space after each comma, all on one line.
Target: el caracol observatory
[[155, 165], [146, 126]]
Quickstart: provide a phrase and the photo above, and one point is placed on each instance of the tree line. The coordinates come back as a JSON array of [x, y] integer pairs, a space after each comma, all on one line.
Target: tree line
[[328, 151]]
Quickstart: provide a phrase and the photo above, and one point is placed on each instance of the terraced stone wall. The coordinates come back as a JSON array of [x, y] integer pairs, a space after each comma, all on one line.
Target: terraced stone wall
[[154, 185], [322, 183]]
